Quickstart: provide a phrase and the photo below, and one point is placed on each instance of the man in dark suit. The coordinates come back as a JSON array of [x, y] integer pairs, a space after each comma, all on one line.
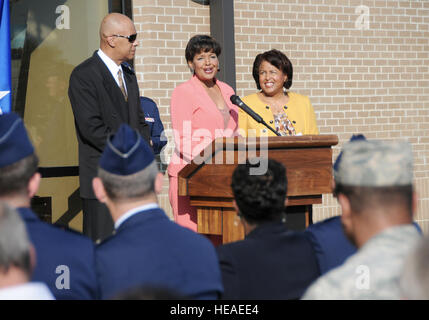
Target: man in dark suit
[[147, 249], [65, 260], [271, 262], [104, 93]]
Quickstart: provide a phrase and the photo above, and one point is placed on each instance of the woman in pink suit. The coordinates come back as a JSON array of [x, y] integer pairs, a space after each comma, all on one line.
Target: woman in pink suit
[[200, 111]]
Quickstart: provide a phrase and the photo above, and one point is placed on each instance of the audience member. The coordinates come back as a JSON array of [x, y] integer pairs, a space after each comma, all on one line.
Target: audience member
[[328, 238], [17, 260], [147, 248], [65, 261], [330, 243], [271, 262], [373, 185]]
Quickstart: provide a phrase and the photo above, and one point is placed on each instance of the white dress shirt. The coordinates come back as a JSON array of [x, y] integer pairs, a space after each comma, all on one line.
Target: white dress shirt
[[26, 291], [113, 67]]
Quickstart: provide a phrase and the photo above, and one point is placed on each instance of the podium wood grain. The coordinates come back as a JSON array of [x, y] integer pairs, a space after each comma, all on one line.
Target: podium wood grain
[[207, 179]]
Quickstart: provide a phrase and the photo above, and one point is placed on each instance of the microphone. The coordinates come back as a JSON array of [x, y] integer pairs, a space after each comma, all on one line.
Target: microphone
[[238, 102]]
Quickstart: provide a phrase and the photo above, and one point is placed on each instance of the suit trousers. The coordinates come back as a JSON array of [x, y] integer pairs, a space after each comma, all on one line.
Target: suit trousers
[[97, 221]]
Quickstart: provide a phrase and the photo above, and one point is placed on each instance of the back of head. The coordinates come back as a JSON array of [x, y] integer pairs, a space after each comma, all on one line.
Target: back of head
[[18, 162], [14, 242], [127, 166], [260, 198], [375, 175]]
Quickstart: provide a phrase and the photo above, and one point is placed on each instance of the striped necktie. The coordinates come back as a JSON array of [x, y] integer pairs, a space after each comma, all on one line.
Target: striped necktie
[[121, 85]]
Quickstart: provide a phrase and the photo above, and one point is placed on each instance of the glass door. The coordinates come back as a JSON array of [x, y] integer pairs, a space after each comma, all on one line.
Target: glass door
[[48, 39]]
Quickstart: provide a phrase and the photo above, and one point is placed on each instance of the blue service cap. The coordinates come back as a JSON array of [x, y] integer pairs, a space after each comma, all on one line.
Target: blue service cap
[[14, 141], [126, 152]]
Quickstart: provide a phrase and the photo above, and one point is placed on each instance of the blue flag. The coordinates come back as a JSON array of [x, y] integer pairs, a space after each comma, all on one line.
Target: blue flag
[[5, 74]]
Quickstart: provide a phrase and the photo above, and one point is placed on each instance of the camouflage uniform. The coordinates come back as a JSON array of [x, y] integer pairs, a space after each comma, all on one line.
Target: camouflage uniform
[[374, 271], [375, 163]]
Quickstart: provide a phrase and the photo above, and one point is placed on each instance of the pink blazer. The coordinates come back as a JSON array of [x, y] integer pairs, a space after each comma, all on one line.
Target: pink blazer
[[196, 121]]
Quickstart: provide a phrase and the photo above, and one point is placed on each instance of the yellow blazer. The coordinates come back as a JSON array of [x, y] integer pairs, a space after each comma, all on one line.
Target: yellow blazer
[[299, 111]]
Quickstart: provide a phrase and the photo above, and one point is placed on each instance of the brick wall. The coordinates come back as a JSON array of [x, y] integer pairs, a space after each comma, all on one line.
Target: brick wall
[[364, 65], [164, 28]]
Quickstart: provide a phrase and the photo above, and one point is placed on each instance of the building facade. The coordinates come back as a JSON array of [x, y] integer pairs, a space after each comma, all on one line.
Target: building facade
[[363, 63]]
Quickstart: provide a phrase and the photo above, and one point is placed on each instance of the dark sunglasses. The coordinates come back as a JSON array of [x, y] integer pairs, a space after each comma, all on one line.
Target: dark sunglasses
[[131, 38]]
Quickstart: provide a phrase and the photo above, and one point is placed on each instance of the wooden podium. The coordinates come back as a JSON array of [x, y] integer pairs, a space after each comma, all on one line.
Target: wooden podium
[[207, 179]]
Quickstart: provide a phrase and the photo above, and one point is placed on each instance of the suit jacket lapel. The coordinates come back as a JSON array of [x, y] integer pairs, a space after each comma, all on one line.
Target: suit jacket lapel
[[111, 87], [233, 119], [208, 104], [132, 88]]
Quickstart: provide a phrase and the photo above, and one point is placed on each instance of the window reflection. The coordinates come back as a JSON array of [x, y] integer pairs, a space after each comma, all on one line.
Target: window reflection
[[48, 39]]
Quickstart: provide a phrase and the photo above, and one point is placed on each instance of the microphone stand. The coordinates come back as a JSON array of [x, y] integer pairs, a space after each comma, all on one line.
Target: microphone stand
[[265, 124], [237, 101]]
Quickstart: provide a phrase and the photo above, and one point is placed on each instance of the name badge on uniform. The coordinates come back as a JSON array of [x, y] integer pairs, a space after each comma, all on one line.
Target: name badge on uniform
[[149, 119]]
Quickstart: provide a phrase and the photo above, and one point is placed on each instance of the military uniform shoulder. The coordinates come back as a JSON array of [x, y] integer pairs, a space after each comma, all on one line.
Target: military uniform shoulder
[[100, 245], [127, 67], [70, 236], [147, 100]]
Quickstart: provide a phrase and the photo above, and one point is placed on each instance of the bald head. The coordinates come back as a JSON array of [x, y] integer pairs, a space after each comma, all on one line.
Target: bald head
[[114, 23], [114, 32]]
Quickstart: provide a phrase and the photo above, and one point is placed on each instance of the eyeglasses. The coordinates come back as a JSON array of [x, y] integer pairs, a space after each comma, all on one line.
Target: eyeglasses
[[131, 38]]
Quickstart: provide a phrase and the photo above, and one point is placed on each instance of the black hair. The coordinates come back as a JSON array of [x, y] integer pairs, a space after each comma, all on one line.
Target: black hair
[[260, 198], [201, 43], [279, 60]]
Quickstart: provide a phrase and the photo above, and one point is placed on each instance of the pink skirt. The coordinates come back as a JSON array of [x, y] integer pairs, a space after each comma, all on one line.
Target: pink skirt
[[183, 213]]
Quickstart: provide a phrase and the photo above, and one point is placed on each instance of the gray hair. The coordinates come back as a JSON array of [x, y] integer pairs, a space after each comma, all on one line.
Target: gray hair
[[14, 243], [137, 185], [414, 281]]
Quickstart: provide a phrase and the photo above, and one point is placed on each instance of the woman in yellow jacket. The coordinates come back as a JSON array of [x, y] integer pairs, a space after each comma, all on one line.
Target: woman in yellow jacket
[[288, 112]]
